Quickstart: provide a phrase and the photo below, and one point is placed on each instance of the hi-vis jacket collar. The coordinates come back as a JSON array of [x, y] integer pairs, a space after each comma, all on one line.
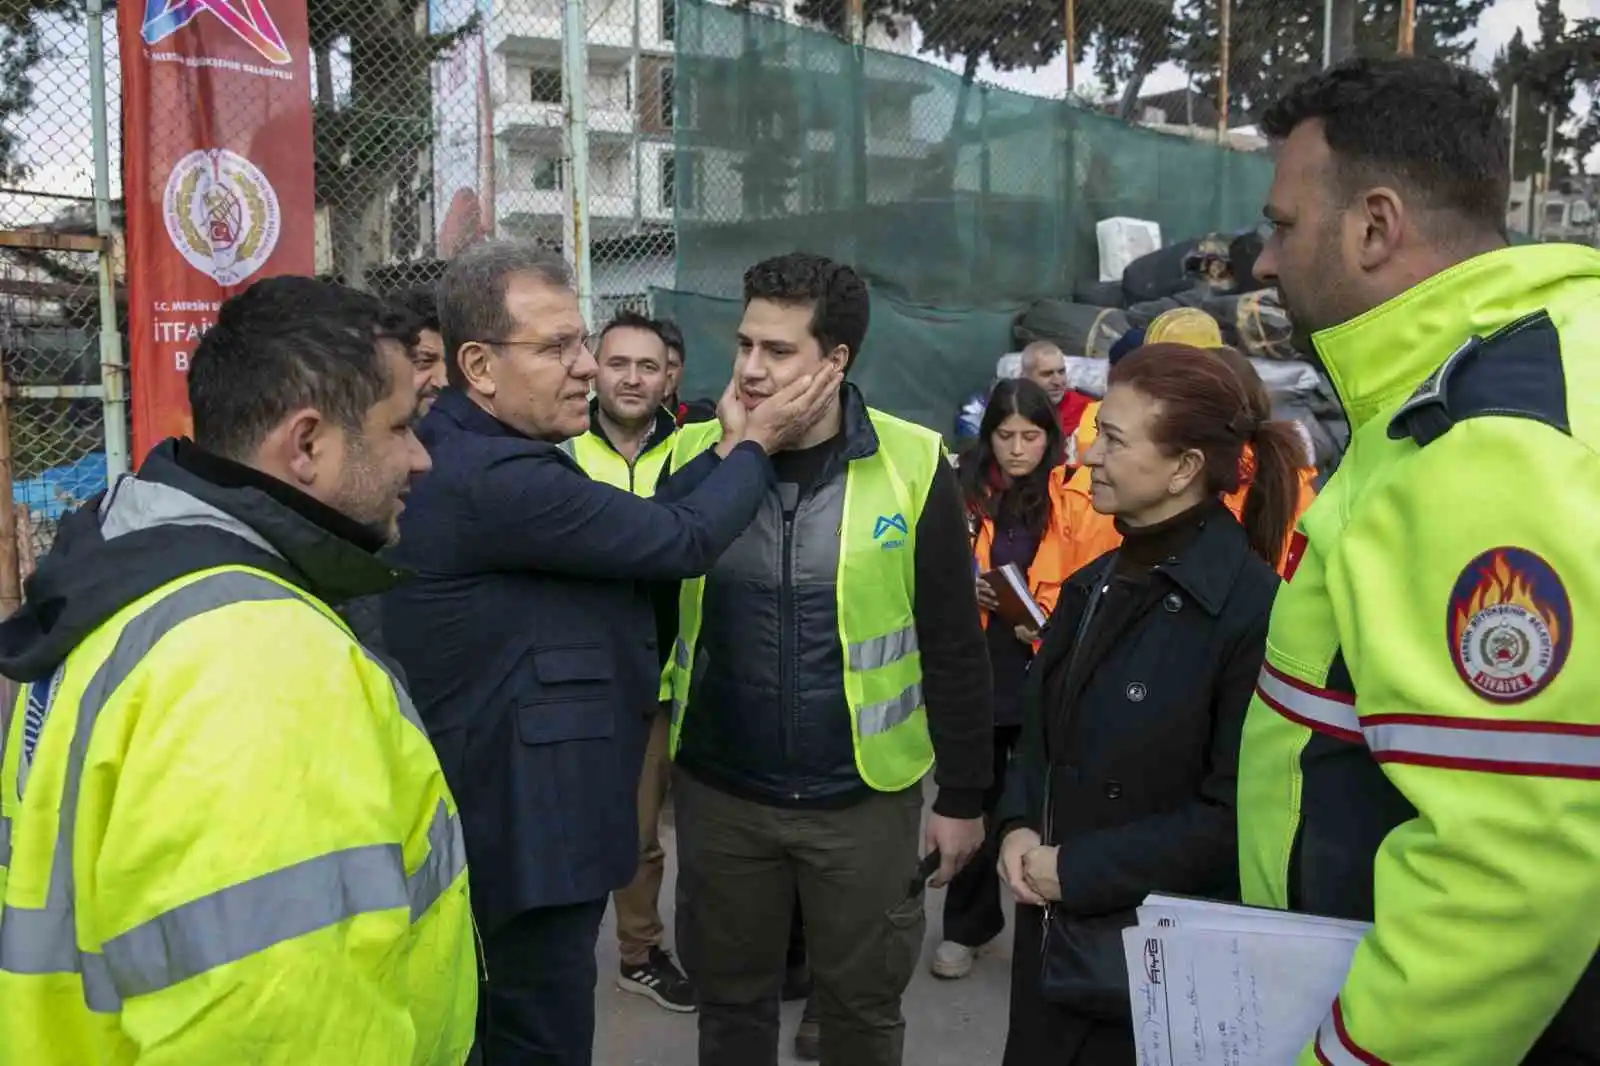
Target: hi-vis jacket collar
[[1378, 359]]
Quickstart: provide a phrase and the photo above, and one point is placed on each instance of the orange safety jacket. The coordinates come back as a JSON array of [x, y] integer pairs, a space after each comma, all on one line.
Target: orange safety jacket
[[1045, 573]]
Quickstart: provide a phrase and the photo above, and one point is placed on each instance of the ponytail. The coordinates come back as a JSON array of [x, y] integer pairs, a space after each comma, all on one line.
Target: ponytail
[[1270, 505]]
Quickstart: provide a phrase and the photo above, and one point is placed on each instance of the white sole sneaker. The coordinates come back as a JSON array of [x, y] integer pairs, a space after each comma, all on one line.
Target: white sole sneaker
[[639, 988], [952, 961]]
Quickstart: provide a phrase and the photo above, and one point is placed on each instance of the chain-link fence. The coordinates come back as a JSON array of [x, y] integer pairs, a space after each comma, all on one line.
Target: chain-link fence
[[959, 151], [50, 300]]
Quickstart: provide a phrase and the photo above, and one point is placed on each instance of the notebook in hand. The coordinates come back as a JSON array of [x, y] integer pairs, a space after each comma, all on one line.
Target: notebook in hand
[[1017, 606]]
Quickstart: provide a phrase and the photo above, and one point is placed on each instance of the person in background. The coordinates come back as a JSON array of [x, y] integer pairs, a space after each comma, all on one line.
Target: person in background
[[830, 653], [224, 834], [629, 440], [1123, 781], [1044, 364], [1008, 482], [685, 411], [528, 630], [630, 429], [427, 355], [1421, 753]]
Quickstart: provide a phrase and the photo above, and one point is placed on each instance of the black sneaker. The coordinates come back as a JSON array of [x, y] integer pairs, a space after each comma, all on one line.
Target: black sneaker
[[661, 980]]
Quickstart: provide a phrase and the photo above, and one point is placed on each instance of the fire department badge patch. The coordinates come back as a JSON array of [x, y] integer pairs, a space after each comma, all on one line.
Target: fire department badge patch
[[1510, 625]]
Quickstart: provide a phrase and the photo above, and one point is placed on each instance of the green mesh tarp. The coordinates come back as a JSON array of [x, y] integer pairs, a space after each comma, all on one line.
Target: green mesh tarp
[[940, 190], [917, 362], [950, 197]]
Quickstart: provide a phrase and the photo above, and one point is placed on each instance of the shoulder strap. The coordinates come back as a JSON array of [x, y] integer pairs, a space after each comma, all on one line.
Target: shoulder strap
[[1516, 372]]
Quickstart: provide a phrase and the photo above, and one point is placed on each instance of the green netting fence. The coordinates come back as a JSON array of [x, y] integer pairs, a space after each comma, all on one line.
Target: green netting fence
[[958, 201]]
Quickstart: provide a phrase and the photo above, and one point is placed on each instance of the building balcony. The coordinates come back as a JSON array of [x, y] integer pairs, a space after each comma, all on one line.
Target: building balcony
[[543, 122]]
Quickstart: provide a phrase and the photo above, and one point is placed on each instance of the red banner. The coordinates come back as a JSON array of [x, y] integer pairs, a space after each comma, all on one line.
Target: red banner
[[217, 177]]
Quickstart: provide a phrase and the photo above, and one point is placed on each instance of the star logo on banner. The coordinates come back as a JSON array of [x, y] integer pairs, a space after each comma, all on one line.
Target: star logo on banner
[[247, 18]]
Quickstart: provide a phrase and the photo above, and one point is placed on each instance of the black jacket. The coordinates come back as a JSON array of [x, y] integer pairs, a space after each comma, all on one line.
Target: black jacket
[[529, 644], [1142, 740], [767, 715]]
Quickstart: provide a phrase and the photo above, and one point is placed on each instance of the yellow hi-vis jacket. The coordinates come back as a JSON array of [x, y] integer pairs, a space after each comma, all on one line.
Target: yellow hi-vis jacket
[[1424, 747], [602, 462], [875, 587], [225, 838]]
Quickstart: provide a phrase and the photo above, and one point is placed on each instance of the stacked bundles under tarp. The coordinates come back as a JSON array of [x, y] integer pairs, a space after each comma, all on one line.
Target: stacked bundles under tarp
[[1216, 274]]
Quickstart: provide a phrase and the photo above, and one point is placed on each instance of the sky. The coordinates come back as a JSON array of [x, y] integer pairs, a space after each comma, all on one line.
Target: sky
[[57, 144], [1498, 25]]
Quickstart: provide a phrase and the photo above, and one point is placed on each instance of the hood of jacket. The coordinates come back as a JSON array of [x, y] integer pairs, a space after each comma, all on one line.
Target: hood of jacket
[[185, 511], [1377, 360]]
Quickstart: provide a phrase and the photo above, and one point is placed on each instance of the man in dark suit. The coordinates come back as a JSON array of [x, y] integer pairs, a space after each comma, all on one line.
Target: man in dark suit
[[527, 632]]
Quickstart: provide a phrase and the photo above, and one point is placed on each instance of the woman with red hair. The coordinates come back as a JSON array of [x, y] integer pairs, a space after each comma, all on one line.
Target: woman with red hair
[[1123, 780]]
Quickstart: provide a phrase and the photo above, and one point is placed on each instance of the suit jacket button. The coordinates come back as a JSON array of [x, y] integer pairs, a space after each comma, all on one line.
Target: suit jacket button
[[1136, 692], [1173, 603], [1113, 790]]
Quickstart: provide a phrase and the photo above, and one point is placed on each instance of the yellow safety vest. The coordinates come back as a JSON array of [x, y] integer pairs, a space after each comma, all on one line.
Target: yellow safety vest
[[883, 499], [224, 835], [602, 462]]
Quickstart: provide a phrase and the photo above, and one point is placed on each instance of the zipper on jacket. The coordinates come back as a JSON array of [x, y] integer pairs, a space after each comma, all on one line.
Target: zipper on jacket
[[786, 642]]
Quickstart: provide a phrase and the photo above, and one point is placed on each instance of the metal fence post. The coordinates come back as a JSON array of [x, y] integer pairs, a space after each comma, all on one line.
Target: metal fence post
[[113, 376], [575, 105]]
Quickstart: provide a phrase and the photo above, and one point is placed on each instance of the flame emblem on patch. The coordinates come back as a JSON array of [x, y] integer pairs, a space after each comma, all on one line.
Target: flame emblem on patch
[[1510, 624]]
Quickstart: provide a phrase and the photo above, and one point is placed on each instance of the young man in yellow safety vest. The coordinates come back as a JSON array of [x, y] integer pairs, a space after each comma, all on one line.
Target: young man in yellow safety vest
[[627, 446], [1422, 751], [828, 656], [224, 833]]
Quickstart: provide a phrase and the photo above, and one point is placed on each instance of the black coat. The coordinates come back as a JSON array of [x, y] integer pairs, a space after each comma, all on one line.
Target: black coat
[[1142, 743], [528, 638]]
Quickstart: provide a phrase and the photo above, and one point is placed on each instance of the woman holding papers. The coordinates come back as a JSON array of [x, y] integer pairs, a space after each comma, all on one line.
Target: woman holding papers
[[1123, 781], [1008, 478]]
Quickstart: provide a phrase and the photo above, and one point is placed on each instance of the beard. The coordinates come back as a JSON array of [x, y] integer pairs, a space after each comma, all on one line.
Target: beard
[[367, 498]]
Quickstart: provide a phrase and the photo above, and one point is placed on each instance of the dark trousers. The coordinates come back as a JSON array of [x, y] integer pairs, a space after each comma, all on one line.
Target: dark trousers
[[1043, 1033], [972, 913], [538, 1006], [740, 864]]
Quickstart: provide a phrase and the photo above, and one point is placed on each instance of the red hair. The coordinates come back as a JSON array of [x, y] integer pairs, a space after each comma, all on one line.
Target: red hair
[[1206, 406]]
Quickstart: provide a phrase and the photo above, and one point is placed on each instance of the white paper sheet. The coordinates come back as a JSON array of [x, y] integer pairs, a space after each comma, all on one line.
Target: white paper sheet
[[1216, 984]]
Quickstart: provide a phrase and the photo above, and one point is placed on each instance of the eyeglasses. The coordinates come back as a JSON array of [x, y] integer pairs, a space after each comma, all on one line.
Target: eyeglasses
[[564, 348]]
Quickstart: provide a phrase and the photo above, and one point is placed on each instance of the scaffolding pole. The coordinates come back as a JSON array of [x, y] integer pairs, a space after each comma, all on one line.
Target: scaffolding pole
[[113, 370], [575, 104]]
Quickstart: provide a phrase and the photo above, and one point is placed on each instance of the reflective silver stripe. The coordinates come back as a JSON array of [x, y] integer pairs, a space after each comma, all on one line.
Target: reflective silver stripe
[[1334, 1047], [1320, 709], [251, 916], [43, 940], [1495, 746], [447, 857], [680, 653], [5, 841], [677, 710], [881, 717], [881, 651], [236, 921]]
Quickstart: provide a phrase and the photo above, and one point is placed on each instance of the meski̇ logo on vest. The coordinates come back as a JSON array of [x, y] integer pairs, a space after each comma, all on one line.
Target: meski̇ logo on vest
[[888, 525]]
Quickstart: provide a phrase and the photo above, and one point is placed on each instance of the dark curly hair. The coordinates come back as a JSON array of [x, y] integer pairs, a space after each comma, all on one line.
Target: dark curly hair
[[835, 293], [1027, 500], [423, 302], [286, 343], [1428, 127]]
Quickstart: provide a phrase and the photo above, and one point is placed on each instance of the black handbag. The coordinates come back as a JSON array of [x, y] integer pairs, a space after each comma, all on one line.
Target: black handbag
[[1081, 964]]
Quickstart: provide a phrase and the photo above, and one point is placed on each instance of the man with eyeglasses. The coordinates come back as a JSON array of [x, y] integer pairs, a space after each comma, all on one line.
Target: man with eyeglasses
[[527, 631]]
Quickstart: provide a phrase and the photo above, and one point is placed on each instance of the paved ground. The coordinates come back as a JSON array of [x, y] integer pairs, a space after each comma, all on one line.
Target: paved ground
[[948, 1023]]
